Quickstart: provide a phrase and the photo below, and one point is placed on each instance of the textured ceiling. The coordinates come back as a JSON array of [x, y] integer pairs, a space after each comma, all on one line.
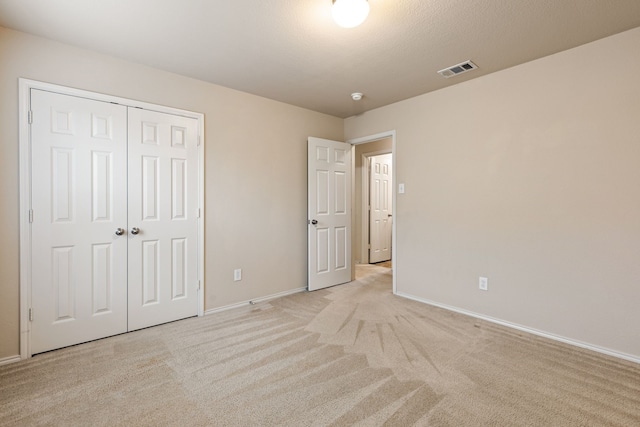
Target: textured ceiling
[[291, 50]]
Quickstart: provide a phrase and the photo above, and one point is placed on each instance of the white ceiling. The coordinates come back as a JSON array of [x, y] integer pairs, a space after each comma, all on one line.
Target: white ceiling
[[291, 50]]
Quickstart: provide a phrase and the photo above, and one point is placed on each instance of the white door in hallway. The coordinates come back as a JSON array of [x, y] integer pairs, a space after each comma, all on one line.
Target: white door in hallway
[[380, 212], [163, 209], [329, 213], [79, 201]]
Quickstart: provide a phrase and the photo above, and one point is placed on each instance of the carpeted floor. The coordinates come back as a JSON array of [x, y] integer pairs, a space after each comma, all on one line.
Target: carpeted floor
[[387, 264], [349, 355]]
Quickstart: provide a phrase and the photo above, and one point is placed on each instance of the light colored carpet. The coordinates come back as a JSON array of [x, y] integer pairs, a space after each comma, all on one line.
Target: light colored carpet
[[387, 264], [349, 355]]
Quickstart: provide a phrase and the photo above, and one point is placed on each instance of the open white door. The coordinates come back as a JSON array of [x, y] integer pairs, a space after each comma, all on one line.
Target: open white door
[[329, 213], [380, 214]]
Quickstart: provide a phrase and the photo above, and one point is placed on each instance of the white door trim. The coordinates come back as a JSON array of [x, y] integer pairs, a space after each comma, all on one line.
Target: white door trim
[[24, 139], [363, 140]]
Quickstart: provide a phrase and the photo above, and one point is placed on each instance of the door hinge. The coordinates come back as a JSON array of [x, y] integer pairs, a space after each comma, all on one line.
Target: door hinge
[[30, 215], [199, 141], [369, 246], [30, 116], [198, 213], [199, 285], [31, 315]]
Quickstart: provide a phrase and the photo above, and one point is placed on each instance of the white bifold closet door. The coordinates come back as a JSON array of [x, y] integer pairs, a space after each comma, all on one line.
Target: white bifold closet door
[[114, 201]]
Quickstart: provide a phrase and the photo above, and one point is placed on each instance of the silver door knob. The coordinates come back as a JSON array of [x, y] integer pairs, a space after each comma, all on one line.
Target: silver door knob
[[119, 231], [135, 230]]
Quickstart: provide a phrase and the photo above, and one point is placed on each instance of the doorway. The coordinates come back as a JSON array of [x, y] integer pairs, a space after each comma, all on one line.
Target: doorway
[[363, 155], [363, 149]]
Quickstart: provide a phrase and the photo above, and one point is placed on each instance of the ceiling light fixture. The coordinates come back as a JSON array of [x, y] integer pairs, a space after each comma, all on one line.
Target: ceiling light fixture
[[350, 13], [356, 96]]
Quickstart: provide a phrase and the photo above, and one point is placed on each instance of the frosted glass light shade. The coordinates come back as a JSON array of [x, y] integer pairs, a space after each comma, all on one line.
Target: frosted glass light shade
[[350, 13]]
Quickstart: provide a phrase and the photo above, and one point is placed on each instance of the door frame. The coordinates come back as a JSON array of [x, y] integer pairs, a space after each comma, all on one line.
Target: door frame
[[24, 142], [366, 225], [394, 247]]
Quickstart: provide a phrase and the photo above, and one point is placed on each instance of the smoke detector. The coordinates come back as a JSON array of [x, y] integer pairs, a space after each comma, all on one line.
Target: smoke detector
[[460, 68], [356, 96]]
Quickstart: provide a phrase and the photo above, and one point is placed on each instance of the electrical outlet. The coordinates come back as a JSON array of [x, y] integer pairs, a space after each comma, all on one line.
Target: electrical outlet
[[237, 274], [483, 284]]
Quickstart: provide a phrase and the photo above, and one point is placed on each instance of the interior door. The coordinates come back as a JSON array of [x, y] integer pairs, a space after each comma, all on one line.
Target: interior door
[[329, 212], [79, 204], [163, 209], [380, 214]]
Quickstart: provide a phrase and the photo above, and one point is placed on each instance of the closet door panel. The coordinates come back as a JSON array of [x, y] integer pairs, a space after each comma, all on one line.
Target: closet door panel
[[162, 206], [79, 200]]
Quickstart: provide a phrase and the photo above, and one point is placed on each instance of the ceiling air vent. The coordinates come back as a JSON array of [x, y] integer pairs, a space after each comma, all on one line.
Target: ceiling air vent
[[463, 67]]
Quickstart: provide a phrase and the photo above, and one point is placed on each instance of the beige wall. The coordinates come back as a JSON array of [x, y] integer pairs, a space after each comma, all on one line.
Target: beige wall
[[255, 156], [382, 145], [530, 177]]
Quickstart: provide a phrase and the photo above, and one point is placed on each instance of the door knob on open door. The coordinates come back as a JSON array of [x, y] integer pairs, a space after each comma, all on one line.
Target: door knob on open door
[[135, 230], [119, 231], [314, 221]]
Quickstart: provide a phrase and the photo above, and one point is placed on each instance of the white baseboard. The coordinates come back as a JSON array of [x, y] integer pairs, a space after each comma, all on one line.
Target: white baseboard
[[10, 359], [533, 331], [254, 301]]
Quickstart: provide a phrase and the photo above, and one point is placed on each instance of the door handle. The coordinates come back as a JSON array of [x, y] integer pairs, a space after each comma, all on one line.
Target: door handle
[[135, 230], [119, 231], [389, 215], [314, 222]]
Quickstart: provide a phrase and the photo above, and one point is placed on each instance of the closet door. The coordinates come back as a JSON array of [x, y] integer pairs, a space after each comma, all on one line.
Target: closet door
[[79, 203], [163, 189]]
